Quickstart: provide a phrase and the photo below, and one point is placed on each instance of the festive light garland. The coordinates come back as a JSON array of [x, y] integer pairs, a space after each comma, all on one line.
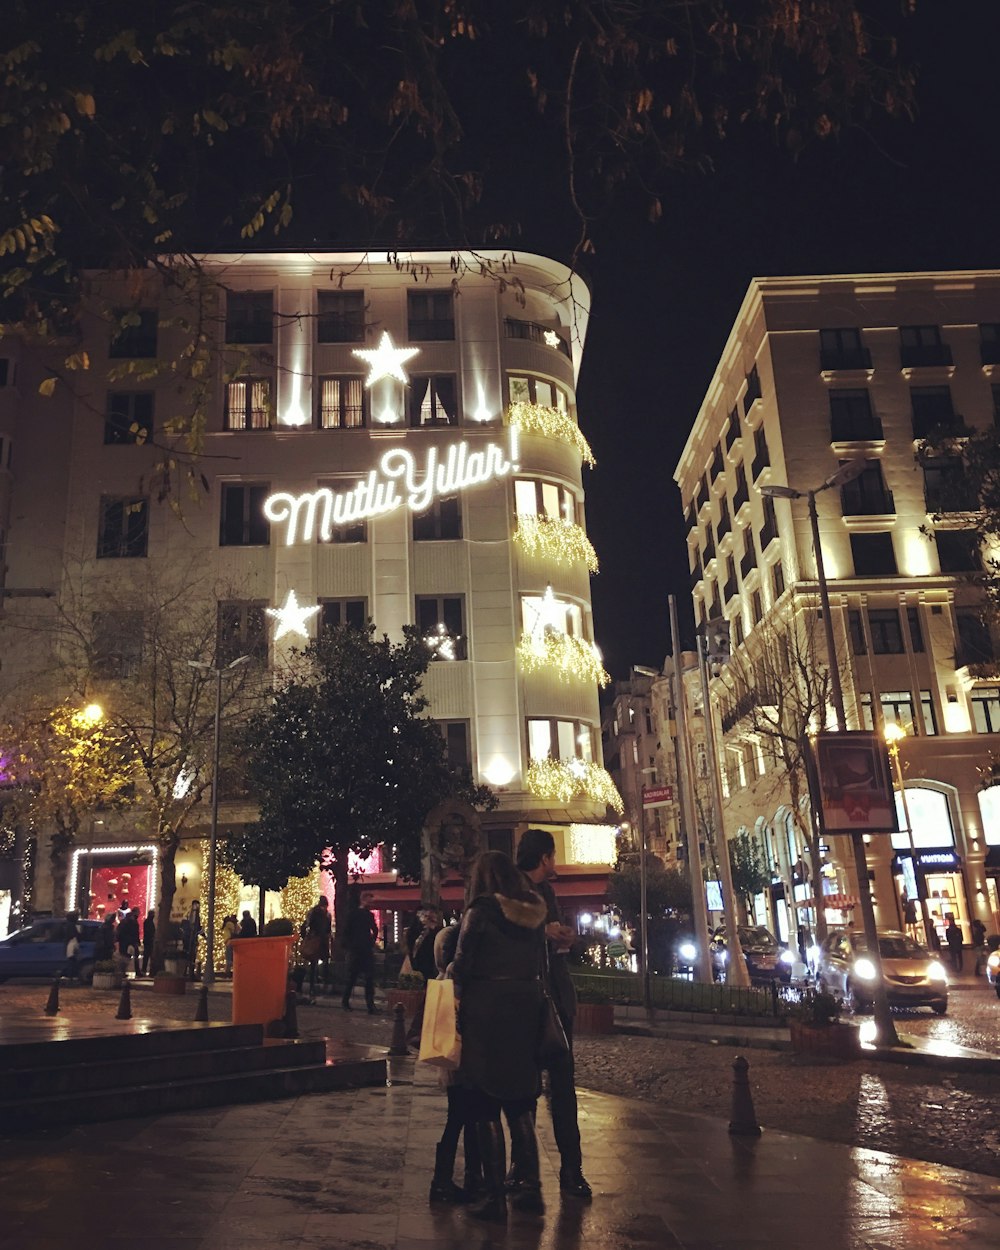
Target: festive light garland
[[551, 423], [298, 896], [561, 783], [556, 539], [572, 658], [228, 892]]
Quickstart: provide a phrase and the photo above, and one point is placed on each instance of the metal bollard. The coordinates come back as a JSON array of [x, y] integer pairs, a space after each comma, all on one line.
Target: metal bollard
[[124, 1011], [744, 1118], [52, 1006], [399, 1046], [201, 1011], [291, 1015]]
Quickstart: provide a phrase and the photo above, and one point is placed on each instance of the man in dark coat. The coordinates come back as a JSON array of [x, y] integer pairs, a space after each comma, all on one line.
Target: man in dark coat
[[536, 858], [128, 938], [148, 940], [316, 930], [953, 936], [360, 934]]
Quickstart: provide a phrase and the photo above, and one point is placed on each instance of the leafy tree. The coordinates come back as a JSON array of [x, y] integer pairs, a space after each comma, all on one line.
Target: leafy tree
[[667, 889], [751, 874], [342, 760]]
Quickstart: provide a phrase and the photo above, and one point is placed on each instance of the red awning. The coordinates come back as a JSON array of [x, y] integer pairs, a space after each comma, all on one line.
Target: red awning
[[406, 897]]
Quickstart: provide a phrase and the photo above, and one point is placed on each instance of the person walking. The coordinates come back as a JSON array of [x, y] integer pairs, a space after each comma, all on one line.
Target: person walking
[[953, 936], [500, 949], [248, 926], [71, 936], [104, 946], [360, 935], [230, 930], [316, 930], [979, 944], [148, 940], [128, 939], [195, 933], [536, 857], [419, 942]]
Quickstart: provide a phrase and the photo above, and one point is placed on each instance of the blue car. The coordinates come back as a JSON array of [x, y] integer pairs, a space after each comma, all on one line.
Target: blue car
[[40, 950]]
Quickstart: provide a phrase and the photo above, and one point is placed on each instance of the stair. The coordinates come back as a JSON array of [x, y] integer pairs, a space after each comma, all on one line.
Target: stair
[[149, 1072]]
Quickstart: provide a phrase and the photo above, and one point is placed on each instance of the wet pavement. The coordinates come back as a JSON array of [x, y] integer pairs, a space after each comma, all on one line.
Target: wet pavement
[[351, 1170]]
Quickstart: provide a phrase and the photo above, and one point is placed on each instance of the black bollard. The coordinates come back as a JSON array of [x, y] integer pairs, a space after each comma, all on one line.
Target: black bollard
[[52, 1006], [744, 1121], [399, 1046], [201, 1011], [291, 1015], [124, 1011]]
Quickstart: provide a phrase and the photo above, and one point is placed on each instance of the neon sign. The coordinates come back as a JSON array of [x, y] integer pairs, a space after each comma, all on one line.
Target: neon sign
[[396, 481]]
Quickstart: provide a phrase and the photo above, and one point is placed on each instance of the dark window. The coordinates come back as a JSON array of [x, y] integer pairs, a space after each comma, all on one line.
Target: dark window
[[351, 532], [873, 554], [986, 709], [778, 580], [749, 560], [241, 631], [851, 417], [842, 349], [337, 612], [342, 403], [886, 631], [242, 522], [756, 607], [932, 410], [920, 346], [761, 455], [738, 629], [897, 708], [441, 521], [996, 404], [341, 317], [129, 417], [431, 315], [6, 371], [718, 463], [731, 588], [989, 344], [441, 621], [725, 521], [732, 429], [856, 629], [533, 332], [769, 530], [753, 389], [916, 632], [704, 492], [456, 743], [133, 336], [974, 644], [250, 317], [432, 401], [117, 644], [740, 495], [958, 551], [248, 404], [867, 495], [123, 529], [945, 486]]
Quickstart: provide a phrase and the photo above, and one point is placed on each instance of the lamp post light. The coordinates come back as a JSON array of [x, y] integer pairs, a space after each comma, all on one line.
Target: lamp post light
[[885, 1027], [218, 673], [894, 735]]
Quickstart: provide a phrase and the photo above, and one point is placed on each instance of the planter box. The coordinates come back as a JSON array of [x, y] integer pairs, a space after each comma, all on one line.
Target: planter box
[[411, 1000], [835, 1041], [169, 984], [594, 1018], [106, 981], [175, 965]]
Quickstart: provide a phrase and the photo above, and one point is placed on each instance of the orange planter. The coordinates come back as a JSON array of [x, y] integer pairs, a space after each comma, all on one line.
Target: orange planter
[[260, 978]]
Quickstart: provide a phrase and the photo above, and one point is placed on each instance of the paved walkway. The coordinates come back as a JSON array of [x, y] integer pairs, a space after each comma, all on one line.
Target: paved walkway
[[350, 1171]]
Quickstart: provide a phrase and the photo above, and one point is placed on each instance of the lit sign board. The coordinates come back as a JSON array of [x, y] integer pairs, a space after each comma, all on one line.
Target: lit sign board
[[397, 480]]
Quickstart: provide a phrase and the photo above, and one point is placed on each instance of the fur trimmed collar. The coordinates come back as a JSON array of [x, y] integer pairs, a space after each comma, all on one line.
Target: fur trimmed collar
[[526, 913]]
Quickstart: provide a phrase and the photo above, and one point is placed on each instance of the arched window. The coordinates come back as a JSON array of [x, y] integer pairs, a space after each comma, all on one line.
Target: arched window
[[989, 809], [930, 813]]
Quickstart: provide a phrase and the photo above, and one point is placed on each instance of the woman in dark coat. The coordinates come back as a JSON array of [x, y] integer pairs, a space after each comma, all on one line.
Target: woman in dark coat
[[496, 973]]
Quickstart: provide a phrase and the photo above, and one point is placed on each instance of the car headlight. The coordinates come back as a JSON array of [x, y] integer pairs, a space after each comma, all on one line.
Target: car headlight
[[787, 957], [724, 956], [936, 972], [687, 950], [993, 963], [864, 970]]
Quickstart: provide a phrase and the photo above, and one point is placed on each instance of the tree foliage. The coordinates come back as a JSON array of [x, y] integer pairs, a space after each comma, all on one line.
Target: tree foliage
[[751, 874], [667, 889]]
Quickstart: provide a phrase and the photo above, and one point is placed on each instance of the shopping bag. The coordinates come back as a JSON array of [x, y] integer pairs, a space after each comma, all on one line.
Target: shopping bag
[[440, 1043]]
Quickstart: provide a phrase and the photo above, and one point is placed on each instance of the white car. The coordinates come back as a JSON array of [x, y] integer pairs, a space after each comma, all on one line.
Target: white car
[[913, 976]]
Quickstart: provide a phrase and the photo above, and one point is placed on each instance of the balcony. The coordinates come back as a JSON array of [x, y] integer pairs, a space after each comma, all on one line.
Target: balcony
[[766, 535], [708, 553], [870, 503], [532, 332], [925, 356], [724, 527], [761, 461], [845, 358], [843, 430], [696, 576], [732, 430], [943, 424], [748, 562], [989, 352], [718, 465], [741, 497], [730, 590], [703, 494]]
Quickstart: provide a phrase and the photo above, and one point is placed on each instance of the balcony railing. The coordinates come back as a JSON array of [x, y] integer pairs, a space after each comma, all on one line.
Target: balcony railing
[[766, 535], [761, 461], [748, 562], [730, 590], [926, 356], [724, 527], [709, 552], [845, 358], [870, 504], [942, 424], [845, 430], [989, 352], [703, 494]]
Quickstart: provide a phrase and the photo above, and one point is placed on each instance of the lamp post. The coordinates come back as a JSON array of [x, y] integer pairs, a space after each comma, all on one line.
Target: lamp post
[[218, 673], [894, 735], [846, 473]]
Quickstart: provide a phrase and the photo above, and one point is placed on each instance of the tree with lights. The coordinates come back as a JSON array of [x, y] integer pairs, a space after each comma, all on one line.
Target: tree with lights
[[342, 760]]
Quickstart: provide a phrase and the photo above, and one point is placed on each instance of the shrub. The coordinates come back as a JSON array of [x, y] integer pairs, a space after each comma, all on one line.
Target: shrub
[[411, 981], [818, 1007], [280, 926]]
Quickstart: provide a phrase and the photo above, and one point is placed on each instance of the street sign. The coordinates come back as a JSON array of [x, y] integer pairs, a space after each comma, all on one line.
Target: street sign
[[616, 950], [657, 796]]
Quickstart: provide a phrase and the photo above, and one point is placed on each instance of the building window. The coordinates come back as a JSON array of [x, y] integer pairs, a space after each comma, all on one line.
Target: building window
[[441, 622], [958, 551], [741, 495], [242, 521], [240, 631], [753, 389], [867, 495], [340, 317], [432, 401], [873, 554], [352, 532], [718, 462], [778, 580], [440, 522], [769, 530], [528, 389], [886, 631], [921, 346], [6, 371], [732, 429], [134, 336], [996, 404], [974, 644], [851, 417], [430, 315], [986, 709], [932, 410], [738, 635], [337, 612], [533, 332], [117, 644], [916, 632], [559, 740], [342, 403], [248, 404], [546, 499], [456, 744], [761, 455], [725, 521], [123, 528], [540, 613], [897, 708], [945, 485], [250, 317], [843, 349], [129, 417], [856, 628], [756, 607]]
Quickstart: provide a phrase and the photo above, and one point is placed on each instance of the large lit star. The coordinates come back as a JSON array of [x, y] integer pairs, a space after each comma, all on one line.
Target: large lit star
[[386, 360], [291, 617]]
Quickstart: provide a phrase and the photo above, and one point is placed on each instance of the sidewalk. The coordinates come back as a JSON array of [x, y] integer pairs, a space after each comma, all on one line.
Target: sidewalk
[[350, 1171]]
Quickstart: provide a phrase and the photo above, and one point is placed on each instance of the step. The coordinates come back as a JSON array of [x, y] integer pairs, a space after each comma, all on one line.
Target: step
[[135, 1040], [366, 1067], [45, 1079]]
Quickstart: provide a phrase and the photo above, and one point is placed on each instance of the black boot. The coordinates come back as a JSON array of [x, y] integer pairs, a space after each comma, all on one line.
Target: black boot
[[443, 1187], [472, 1179], [524, 1148], [493, 1150]]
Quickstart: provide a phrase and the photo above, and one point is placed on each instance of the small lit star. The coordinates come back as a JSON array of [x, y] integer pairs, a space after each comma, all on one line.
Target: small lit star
[[550, 614], [552, 339], [386, 360], [291, 617], [441, 642]]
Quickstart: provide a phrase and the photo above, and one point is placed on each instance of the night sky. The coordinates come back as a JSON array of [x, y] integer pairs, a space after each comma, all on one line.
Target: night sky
[[920, 196]]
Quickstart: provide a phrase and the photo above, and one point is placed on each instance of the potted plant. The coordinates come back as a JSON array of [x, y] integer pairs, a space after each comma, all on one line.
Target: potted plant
[[595, 1012], [107, 975], [817, 1029], [409, 990], [169, 983]]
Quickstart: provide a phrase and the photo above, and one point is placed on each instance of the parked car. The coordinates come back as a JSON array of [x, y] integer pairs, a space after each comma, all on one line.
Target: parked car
[[914, 977], [993, 962], [766, 958], [40, 950]]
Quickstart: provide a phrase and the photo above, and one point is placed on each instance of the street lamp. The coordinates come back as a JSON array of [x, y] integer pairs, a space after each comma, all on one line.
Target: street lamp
[[846, 473], [218, 673], [894, 735]]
